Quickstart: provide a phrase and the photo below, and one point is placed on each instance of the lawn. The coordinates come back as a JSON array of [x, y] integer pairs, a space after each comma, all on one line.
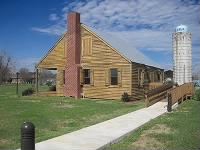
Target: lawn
[[179, 129], [50, 117]]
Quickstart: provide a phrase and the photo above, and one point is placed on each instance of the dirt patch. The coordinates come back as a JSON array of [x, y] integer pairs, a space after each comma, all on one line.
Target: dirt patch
[[183, 110], [3, 141], [147, 140], [159, 128]]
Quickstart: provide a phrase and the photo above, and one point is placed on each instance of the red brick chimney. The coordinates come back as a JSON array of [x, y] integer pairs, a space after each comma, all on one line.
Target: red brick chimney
[[72, 66]]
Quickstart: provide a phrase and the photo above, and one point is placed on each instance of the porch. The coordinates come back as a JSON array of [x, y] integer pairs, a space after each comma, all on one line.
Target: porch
[[56, 84]]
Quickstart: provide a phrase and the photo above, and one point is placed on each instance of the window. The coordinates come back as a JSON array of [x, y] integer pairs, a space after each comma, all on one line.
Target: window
[[86, 76], [151, 77], [114, 76], [86, 46], [158, 76], [141, 77]]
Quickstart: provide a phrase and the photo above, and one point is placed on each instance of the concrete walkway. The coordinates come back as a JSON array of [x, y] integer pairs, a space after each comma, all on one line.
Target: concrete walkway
[[99, 135]]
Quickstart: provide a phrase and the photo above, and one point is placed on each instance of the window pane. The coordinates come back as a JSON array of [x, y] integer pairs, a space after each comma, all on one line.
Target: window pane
[[113, 72], [86, 80], [114, 77], [86, 76], [86, 73], [114, 81]]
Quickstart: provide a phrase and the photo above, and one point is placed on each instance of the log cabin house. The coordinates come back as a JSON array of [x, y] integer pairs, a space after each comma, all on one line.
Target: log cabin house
[[95, 64]]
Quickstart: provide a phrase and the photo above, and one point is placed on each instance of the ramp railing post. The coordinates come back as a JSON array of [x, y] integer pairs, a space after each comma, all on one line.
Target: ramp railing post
[[169, 105]]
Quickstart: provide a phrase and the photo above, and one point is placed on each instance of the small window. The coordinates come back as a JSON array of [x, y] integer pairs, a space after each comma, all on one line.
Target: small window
[[141, 76], [86, 76], [151, 77], [86, 46], [158, 77], [114, 76]]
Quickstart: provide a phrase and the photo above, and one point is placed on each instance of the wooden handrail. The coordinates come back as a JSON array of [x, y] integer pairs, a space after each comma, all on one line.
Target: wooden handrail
[[159, 89], [157, 94], [179, 93]]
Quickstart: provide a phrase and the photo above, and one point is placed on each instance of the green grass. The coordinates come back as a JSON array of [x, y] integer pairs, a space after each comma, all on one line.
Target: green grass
[[50, 117], [10, 90], [179, 129]]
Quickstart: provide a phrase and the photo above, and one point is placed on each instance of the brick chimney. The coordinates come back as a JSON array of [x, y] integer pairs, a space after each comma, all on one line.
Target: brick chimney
[[72, 66]]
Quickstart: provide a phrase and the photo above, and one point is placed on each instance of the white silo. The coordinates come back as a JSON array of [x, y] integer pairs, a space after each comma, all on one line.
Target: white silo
[[182, 55]]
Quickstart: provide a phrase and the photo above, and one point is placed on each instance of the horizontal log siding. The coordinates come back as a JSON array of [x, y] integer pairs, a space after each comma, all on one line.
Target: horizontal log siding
[[56, 57], [102, 59], [137, 93]]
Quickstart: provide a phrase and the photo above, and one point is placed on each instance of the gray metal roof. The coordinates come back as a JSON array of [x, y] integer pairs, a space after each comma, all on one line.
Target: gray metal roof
[[125, 48]]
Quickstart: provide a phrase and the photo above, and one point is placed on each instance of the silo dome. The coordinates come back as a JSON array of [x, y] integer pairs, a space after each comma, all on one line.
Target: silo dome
[[181, 28]]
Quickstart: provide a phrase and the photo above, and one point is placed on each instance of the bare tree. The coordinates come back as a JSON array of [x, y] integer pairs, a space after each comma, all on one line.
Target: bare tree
[[45, 75], [5, 67], [25, 74]]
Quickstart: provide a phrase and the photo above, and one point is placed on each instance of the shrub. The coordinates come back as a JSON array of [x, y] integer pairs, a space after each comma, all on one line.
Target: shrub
[[197, 95], [125, 97], [49, 83], [52, 88], [27, 92]]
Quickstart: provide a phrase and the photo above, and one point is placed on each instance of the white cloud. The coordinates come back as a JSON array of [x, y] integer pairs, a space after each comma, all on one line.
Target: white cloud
[[130, 15], [26, 63], [147, 39], [55, 30], [53, 17], [147, 24]]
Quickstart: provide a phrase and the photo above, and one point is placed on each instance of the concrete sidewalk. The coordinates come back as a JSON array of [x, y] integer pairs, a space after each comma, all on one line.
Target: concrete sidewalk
[[99, 135]]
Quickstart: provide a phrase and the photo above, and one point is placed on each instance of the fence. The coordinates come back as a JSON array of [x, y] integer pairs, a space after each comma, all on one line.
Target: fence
[[157, 94], [180, 93]]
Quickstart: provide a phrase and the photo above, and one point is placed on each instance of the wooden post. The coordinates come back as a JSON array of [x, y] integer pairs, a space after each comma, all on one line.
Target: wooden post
[[17, 89], [169, 106], [180, 100], [37, 83], [146, 100], [34, 79]]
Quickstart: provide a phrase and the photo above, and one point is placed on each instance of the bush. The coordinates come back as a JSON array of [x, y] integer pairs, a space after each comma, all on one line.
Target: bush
[[125, 97], [52, 88], [49, 83], [197, 95], [27, 92]]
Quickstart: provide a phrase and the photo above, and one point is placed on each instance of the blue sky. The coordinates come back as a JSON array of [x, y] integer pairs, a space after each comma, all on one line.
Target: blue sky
[[28, 28]]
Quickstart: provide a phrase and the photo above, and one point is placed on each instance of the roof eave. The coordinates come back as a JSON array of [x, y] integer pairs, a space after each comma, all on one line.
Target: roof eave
[[37, 65]]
